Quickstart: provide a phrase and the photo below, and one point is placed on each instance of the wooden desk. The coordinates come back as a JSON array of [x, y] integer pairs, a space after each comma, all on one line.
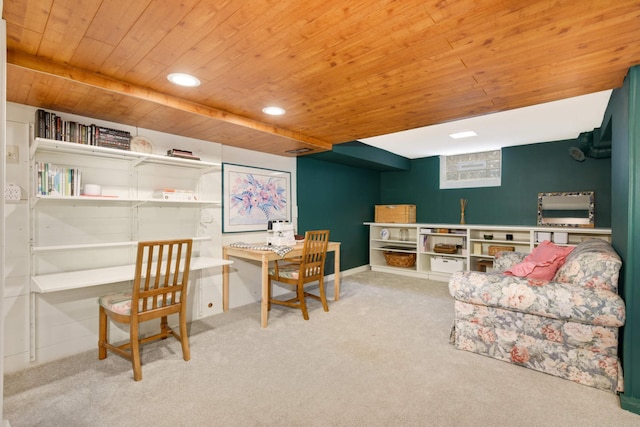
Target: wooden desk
[[264, 257]]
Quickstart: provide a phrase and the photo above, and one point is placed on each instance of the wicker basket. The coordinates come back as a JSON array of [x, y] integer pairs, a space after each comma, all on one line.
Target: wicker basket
[[400, 259], [494, 249]]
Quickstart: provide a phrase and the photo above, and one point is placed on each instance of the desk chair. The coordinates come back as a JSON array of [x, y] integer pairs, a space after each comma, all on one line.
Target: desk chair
[[309, 268], [159, 289]]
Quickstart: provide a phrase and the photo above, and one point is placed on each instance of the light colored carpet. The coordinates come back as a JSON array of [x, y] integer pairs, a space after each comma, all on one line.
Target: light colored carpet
[[380, 357]]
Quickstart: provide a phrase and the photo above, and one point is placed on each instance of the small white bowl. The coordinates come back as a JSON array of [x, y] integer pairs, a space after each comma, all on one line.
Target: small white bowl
[[92, 190]]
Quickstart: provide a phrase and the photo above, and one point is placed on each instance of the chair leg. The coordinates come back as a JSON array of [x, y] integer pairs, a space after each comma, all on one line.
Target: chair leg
[[164, 327], [135, 351], [269, 291], [303, 303], [102, 334], [323, 296], [184, 338]]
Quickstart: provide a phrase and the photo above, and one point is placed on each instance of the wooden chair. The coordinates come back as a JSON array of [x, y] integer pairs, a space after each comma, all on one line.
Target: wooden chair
[[310, 268], [159, 289]]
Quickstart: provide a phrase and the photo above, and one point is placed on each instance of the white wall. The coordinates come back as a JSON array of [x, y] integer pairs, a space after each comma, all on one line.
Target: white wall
[[67, 321], [3, 104]]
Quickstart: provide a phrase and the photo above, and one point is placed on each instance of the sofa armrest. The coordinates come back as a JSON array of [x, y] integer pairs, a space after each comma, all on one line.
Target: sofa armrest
[[504, 260], [555, 300]]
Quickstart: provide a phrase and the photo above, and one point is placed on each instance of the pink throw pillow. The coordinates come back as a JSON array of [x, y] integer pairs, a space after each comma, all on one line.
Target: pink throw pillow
[[542, 263]]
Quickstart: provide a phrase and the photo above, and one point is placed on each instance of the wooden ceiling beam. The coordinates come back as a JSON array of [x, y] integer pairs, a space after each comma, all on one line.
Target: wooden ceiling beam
[[66, 72]]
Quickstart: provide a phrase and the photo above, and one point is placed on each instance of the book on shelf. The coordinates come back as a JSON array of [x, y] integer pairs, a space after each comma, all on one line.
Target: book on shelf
[[179, 151], [54, 180], [51, 126], [174, 194], [183, 154]]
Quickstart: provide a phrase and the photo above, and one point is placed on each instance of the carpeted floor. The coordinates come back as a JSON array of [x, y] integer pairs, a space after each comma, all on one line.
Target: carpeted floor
[[380, 357]]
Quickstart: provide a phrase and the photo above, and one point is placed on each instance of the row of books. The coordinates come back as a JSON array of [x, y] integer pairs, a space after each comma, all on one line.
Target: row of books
[[53, 180], [51, 126], [183, 154]]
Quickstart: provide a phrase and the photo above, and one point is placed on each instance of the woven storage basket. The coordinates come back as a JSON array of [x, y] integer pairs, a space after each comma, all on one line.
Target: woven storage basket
[[400, 259], [494, 249]]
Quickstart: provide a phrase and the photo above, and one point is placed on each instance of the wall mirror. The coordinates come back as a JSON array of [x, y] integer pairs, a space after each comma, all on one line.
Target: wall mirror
[[574, 209]]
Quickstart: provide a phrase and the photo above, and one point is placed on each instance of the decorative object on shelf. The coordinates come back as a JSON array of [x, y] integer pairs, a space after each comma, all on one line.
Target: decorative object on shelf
[[251, 197], [494, 249], [141, 144], [444, 248], [12, 192], [509, 236], [442, 230], [400, 259], [384, 234], [404, 234], [485, 265], [488, 236], [92, 190], [463, 205]]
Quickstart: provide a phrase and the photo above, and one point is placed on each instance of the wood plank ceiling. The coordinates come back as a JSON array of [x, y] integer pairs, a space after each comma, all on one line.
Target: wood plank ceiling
[[343, 70]]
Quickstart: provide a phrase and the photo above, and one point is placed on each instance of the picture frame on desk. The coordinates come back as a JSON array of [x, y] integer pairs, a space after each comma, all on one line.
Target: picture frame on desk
[[252, 196]]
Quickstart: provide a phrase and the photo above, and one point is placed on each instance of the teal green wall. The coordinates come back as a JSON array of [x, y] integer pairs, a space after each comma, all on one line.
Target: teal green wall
[[339, 198], [526, 171], [624, 112]]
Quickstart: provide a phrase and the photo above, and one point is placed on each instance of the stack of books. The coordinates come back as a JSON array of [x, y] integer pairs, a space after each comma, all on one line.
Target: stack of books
[[174, 194], [112, 138], [183, 154]]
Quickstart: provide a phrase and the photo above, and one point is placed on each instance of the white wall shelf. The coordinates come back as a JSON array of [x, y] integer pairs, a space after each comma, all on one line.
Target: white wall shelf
[[101, 276], [43, 145], [84, 241]]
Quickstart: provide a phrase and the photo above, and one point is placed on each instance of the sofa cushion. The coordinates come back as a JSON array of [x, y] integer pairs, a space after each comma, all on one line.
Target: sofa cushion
[[592, 264], [504, 260], [542, 262], [562, 301]]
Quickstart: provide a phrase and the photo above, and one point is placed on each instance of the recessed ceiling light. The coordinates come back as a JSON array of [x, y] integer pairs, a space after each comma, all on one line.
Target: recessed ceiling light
[[465, 134], [273, 111], [182, 79]]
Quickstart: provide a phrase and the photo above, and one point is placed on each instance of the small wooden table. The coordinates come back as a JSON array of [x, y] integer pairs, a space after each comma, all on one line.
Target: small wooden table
[[264, 257]]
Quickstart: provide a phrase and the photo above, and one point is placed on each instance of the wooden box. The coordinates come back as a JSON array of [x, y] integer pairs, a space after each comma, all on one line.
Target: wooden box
[[402, 214], [494, 249]]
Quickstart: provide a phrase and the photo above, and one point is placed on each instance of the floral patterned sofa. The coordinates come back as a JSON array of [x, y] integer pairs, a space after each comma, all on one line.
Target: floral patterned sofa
[[567, 326]]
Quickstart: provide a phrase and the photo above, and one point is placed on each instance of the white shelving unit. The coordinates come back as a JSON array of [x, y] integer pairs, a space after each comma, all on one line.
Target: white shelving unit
[[472, 244], [100, 233], [399, 240]]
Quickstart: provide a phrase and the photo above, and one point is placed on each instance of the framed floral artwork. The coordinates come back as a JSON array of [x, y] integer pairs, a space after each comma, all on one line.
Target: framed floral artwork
[[251, 197]]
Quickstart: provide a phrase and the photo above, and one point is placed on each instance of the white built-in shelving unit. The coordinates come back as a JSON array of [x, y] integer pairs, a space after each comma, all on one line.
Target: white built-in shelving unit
[[82, 241], [472, 244]]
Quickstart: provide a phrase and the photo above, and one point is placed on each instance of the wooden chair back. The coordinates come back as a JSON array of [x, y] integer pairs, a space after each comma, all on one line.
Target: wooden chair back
[[314, 254], [161, 278]]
